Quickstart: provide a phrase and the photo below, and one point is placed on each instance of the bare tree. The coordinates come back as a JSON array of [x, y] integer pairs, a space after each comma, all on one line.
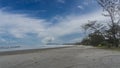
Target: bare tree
[[96, 35], [94, 27], [112, 9]]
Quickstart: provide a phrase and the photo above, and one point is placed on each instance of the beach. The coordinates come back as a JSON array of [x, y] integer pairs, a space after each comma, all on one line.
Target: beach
[[63, 57]]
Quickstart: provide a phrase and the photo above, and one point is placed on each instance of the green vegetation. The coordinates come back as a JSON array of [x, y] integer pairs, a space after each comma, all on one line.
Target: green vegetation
[[106, 48], [105, 34]]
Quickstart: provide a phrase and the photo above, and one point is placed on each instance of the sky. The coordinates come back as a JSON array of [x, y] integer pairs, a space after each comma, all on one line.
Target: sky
[[37, 22]]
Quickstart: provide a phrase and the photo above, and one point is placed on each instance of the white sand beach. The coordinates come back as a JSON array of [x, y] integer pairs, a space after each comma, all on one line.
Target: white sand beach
[[69, 57]]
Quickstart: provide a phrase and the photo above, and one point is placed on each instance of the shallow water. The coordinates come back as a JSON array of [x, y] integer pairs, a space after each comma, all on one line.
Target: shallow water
[[24, 47]]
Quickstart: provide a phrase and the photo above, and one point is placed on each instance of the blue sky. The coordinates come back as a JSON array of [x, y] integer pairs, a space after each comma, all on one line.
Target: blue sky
[[34, 22]]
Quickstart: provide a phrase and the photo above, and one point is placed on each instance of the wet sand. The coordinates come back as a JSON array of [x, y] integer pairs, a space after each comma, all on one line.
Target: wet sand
[[68, 57]]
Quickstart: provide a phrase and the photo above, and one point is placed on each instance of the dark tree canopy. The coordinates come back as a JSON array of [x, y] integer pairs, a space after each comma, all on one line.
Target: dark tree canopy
[[98, 32]]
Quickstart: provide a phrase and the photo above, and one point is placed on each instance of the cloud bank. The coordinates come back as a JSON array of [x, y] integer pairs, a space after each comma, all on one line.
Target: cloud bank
[[20, 26]]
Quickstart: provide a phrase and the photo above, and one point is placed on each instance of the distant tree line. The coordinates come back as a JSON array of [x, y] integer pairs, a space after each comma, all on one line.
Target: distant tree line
[[104, 34]]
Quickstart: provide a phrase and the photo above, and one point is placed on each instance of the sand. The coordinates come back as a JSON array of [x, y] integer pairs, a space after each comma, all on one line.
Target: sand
[[69, 57]]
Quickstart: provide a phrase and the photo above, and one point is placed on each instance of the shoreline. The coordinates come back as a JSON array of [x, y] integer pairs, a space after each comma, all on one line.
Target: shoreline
[[26, 51], [62, 57]]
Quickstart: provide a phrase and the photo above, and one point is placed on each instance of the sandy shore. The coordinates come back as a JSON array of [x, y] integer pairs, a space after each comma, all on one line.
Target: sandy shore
[[69, 57], [15, 52]]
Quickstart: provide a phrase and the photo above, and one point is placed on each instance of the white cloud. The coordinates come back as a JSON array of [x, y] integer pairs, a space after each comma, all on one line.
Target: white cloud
[[76, 40], [80, 7], [85, 3], [61, 1], [2, 40], [19, 25], [48, 40], [72, 24]]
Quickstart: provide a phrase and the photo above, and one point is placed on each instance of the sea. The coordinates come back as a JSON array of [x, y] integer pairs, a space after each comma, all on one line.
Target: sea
[[26, 47]]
